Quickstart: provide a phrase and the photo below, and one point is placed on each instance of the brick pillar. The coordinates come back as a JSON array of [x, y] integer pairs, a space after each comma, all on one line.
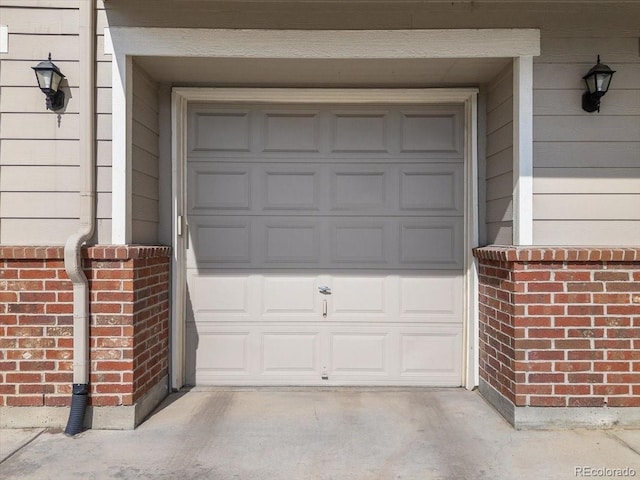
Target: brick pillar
[[129, 330], [560, 327]]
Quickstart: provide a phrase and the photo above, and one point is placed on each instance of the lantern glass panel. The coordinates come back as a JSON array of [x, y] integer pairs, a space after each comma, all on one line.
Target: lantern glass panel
[[44, 79]]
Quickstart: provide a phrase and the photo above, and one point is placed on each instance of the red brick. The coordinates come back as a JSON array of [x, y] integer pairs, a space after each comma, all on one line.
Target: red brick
[[56, 377], [8, 297], [612, 344], [572, 366], [623, 355], [607, 276], [545, 287], [572, 344], [8, 366], [550, 401], [25, 308], [585, 287], [611, 389], [585, 355], [623, 332], [546, 355], [585, 309], [107, 366], [543, 310], [546, 378], [105, 400], [623, 286], [572, 389], [585, 333], [572, 322], [623, 309], [113, 388], [623, 378], [56, 308], [33, 274], [25, 354], [59, 354], [586, 401], [612, 322], [572, 276], [27, 365], [545, 333], [24, 332], [57, 400], [35, 388], [624, 402], [585, 377], [25, 401]]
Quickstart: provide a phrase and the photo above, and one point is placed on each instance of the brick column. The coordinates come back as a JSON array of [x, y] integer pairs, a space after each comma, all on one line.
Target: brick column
[[129, 331], [560, 327]]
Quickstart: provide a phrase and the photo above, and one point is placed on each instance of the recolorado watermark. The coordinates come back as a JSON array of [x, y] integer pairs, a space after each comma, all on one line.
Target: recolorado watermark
[[589, 471]]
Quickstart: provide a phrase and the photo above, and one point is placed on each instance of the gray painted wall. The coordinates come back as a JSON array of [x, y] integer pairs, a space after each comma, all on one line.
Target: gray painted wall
[[145, 152], [499, 159]]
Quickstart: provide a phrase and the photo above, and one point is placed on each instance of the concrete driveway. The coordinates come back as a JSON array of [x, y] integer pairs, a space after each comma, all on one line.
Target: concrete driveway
[[320, 434]]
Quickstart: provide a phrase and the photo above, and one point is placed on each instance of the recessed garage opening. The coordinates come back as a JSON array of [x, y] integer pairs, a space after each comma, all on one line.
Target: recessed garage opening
[[325, 244]]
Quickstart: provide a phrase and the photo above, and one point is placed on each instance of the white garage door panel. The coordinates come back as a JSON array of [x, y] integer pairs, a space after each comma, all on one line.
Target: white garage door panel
[[356, 298], [367, 201], [346, 355]]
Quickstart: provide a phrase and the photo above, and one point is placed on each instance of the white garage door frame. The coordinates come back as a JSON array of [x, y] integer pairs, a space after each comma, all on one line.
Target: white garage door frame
[[125, 43], [181, 97]]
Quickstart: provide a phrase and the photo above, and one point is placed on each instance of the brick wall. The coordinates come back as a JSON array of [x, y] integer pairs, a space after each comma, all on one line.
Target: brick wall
[[560, 327], [129, 292]]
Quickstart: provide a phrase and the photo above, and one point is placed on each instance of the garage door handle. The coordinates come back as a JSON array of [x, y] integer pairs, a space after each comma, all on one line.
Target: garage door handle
[[325, 290], [324, 308]]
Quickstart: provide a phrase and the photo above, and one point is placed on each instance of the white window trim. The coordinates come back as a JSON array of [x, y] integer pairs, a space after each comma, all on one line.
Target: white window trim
[[520, 44]]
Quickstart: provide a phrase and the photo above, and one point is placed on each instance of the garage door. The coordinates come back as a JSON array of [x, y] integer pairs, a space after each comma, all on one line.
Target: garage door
[[325, 245]]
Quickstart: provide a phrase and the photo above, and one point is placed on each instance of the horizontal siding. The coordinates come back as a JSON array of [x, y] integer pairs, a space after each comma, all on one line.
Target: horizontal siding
[[586, 166], [499, 159], [587, 232], [604, 180], [587, 206], [587, 154], [39, 150], [45, 205], [145, 153]]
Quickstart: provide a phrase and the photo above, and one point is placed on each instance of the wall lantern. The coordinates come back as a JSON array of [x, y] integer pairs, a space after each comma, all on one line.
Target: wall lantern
[[49, 77], [598, 80]]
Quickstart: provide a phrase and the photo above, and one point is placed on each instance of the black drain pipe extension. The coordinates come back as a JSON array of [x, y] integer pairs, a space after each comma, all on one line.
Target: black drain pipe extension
[[79, 399], [73, 245]]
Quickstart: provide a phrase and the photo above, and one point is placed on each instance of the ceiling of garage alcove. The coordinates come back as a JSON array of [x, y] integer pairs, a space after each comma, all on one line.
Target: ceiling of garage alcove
[[242, 72]]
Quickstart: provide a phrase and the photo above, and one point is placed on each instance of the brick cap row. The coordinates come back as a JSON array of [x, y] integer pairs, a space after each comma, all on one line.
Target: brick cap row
[[97, 252], [508, 253]]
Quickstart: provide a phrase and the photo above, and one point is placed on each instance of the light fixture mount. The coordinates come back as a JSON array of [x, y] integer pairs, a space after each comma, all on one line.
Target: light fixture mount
[[597, 80], [49, 77]]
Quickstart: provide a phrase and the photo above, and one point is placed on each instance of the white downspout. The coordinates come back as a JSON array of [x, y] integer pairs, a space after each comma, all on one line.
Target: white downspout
[[72, 249]]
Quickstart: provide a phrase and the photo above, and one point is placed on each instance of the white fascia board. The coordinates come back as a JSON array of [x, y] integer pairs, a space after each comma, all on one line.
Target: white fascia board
[[326, 44]]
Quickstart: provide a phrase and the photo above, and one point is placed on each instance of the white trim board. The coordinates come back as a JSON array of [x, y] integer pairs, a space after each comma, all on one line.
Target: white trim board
[[319, 44]]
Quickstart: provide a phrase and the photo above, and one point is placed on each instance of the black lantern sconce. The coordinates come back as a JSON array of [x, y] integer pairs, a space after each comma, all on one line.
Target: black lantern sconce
[[49, 77], [598, 80]]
